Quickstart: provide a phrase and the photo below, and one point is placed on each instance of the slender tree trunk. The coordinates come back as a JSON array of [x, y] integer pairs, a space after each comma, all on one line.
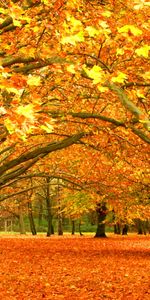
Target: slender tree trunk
[[80, 228], [101, 216], [49, 208], [60, 226], [73, 227], [117, 229], [40, 214], [31, 219], [60, 218], [5, 225], [21, 222]]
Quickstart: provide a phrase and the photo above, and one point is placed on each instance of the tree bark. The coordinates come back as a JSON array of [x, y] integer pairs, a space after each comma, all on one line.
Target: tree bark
[[31, 219], [101, 216], [141, 226], [60, 226], [49, 208], [60, 219], [73, 227], [21, 222], [40, 214], [117, 229], [80, 228], [125, 229]]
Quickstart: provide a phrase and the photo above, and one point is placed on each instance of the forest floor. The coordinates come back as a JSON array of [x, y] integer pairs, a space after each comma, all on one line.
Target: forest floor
[[74, 268]]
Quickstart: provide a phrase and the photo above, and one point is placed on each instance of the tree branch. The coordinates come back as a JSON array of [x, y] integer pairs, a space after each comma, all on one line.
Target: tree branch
[[129, 104], [35, 154]]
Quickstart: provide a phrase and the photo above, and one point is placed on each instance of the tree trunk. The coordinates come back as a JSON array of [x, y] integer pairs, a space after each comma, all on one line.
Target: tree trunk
[[73, 227], [101, 216], [125, 229], [60, 226], [80, 228], [139, 226], [5, 225], [60, 218], [40, 215], [31, 219], [142, 226], [117, 229], [49, 208], [21, 222]]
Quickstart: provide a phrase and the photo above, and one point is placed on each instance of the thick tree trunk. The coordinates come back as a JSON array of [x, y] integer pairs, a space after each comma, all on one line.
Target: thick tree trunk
[[141, 226], [31, 219], [101, 216], [125, 229]]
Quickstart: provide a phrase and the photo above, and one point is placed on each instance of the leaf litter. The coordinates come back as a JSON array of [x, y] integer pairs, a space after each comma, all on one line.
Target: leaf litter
[[37, 268]]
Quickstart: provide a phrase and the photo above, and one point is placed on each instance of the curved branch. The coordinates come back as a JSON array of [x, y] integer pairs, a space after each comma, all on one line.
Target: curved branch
[[129, 84], [34, 154], [6, 22], [140, 134], [14, 60], [129, 104], [84, 115]]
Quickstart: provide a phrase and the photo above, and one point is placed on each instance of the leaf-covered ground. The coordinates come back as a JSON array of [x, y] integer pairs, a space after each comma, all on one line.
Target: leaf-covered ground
[[75, 268]]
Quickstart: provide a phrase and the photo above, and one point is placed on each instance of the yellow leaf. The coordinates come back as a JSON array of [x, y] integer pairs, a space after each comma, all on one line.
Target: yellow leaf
[[71, 69], [48, 128], [143, 51], [134, 30], [3, 11], [36, 28], [13, 90], [95, 73], [75, 23], [10, 126], [102, 89], [92, 31], [72, 25], [145, 122], [119, 51], [107, 14], [140, 95], [2, 110], [146, 75], [73, 39], [30, 51], [120, 78], [34, 80], [103, 24], [141, 4], [46, 2], [73, 3], [17, 23], [26, 111]]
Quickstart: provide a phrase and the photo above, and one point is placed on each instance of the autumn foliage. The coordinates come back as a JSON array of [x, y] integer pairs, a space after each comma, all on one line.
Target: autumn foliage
[[74, 100], [75, 268]]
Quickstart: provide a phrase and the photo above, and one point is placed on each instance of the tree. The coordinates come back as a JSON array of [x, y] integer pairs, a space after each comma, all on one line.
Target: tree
[[75, 73]]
